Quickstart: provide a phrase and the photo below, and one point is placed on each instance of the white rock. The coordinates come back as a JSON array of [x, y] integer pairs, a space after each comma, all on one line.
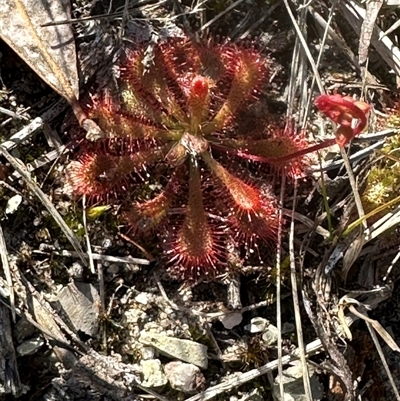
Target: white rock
[[257, 325], [184, 350], [142, 298], [152, 373], [255, 395], [293, 385], [230, 320], [147, 353], [184, 377], [13, 203], [31, 346], [80, 303], [270, 336]]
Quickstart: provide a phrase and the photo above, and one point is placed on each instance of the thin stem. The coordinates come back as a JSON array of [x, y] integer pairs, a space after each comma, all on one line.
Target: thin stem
[[271, 160]]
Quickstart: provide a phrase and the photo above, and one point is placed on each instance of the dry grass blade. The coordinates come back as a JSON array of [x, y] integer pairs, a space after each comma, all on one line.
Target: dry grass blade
[[97, 256], [355, 14], [373, 327], [296, 304], [311, 224], [392, 28], [10, 378], [238, 380], [87, 238], [46, 320], [353, 185], [327, 31], [45, 200], [259, 21], [374, 323], [298, 68], [298, 75], [355, 157], [34, 323], [23, 134], [305, 47], [384, 363], [34, 125], [325, 25], [372, 10], [355, 248], [12, 114], [390, 267], [217, 17], [351, 255], [278, 291], [343, 323], [374, 298], [6, 268], [388, 221]]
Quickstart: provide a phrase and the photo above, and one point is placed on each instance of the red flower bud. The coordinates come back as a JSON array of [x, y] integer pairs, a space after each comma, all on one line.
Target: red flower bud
[[350, 114]]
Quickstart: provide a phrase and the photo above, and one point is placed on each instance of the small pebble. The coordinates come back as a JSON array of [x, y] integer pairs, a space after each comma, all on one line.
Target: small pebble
[[31, 346], [270, 336], [230, 320], [257, 325], [152, 372], [184, 377], [76, 270], [113, 269], [184, 350], [142, 298], [106, 243], [147, 353]]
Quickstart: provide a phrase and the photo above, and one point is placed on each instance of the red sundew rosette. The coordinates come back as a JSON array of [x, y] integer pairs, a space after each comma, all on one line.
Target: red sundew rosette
[[170, 116]]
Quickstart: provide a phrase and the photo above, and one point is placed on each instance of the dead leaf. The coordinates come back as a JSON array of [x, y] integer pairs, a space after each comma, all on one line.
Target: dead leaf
[[343, 323], [49, 51], [45, 319], [351, 254], [378, 328]]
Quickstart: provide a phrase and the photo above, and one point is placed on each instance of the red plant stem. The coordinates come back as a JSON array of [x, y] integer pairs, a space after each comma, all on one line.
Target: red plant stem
[[302, 152]]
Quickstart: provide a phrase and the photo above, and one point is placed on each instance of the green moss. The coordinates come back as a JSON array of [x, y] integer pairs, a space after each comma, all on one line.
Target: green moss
[[383, 182]]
